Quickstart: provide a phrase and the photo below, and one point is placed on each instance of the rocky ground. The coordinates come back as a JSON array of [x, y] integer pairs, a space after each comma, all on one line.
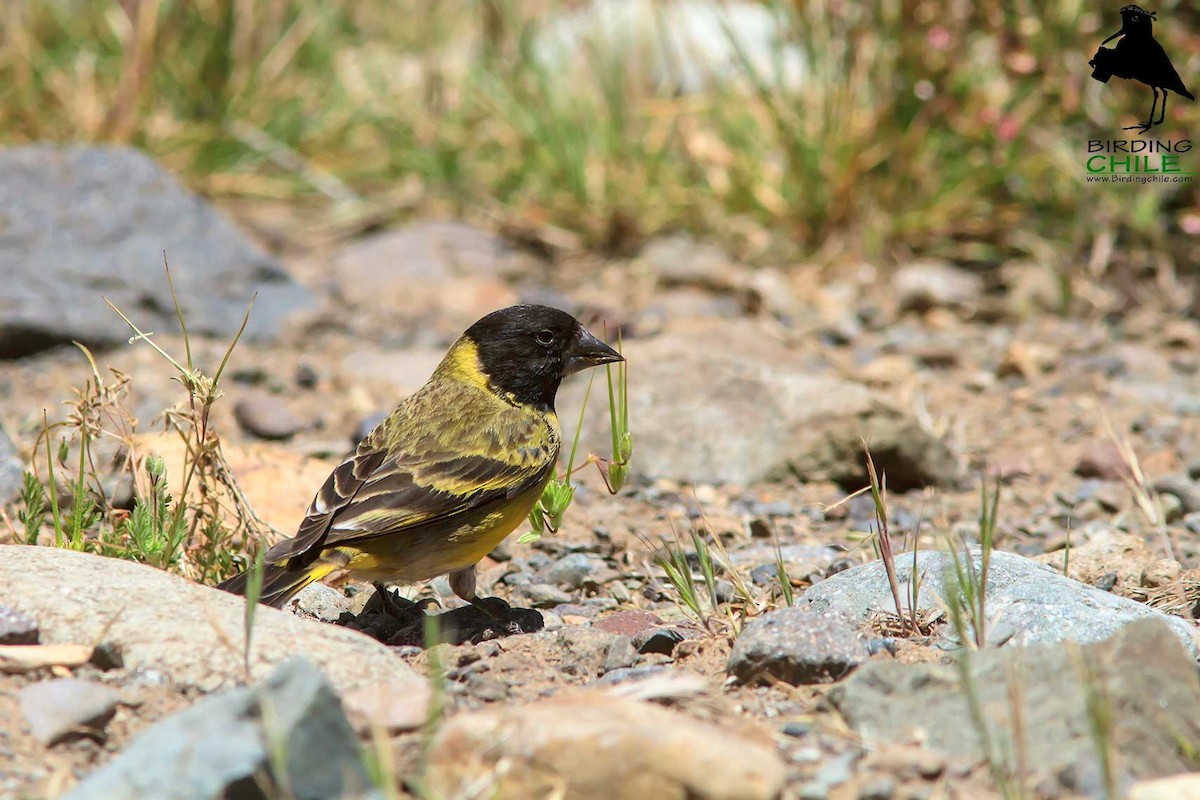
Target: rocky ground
[[751, 390]]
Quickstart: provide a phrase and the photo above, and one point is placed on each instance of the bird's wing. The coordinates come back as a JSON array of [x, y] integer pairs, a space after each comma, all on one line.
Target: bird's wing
[[1158, 63], [429, 464]]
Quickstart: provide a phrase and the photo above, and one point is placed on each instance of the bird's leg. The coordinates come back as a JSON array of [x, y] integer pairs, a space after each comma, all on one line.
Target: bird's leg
[[1162, 112], [1142, 127], [462, 583], [387, 599]]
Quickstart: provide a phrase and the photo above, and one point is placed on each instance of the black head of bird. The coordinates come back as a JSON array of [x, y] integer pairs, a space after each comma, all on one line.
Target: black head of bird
[[1135, 21], [527, 350]]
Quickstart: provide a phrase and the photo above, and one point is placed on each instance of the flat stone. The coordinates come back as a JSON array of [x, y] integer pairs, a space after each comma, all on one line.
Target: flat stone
[[191, 633], [57, 709], [796, 646]]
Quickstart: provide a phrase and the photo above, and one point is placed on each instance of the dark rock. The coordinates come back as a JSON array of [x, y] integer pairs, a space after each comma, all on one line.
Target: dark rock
[[1027, 602], [797, 647], [59, 709], [107, 656], [1106, 582], [1144, 677], [264, 415], [289, 731], [306, 374], [81, 222], [660, 640], [17, 627]]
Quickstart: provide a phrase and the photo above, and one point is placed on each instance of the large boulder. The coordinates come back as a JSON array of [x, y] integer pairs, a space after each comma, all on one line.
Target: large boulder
[[725, 403], [1026, 602], [82, 222]]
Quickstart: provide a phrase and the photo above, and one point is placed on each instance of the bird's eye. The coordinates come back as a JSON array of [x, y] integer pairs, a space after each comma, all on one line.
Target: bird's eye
[[545, 337]]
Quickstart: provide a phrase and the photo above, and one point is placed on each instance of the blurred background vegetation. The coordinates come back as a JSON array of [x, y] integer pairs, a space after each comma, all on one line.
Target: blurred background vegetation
[[869, 130]]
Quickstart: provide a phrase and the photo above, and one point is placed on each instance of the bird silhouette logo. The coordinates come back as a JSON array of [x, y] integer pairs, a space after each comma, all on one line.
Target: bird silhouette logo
[[1138, 57]]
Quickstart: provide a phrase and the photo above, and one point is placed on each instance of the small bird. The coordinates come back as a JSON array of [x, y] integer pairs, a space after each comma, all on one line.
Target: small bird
[[451, 472], [1138, 56]]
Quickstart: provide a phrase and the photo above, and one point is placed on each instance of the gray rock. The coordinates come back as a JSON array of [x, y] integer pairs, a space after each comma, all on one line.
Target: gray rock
[[12, 470], [189, 632], [434, 276], [679, 260], [81, 222], [289, 732], [17, 628], [593, 652], [321, 602], [540, 595], [690, 426], [798, 647], [1027, 602], [572, 570], [265, 415], [923, 285], [57, 709], [1141, 676]]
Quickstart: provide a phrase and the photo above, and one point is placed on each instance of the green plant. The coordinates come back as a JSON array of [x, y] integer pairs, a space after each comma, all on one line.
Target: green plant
[[966, 584], [202, 532], [31, 512]]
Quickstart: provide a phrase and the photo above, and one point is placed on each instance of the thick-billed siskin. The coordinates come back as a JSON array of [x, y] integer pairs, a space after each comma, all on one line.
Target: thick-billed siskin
[[452, 471]]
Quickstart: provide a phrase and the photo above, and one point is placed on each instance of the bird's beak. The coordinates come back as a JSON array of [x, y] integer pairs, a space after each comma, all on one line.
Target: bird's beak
[[588, 351], [1115, 35]]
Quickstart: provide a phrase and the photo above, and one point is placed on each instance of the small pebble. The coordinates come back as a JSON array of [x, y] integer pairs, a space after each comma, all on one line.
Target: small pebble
[[264, 415]]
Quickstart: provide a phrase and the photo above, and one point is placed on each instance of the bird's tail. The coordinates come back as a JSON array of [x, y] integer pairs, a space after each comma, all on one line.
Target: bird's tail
[[279, 583], [1187, 94]]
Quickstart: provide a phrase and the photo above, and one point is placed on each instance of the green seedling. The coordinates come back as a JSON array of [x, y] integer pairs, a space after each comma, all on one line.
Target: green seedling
[[618, 415]]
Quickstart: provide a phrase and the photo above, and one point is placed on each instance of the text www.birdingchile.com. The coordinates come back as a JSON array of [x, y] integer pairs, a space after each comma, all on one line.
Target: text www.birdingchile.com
[[1138, 161]]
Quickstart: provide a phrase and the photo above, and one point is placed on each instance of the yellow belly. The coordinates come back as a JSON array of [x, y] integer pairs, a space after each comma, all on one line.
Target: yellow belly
[[416, 555]]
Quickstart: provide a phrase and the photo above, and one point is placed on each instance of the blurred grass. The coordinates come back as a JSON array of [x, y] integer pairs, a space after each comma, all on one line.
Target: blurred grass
[[941, 128]]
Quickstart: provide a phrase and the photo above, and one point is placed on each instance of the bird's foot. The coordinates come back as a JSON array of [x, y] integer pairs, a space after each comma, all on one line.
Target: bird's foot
[[1141, 127], [498, 611]]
